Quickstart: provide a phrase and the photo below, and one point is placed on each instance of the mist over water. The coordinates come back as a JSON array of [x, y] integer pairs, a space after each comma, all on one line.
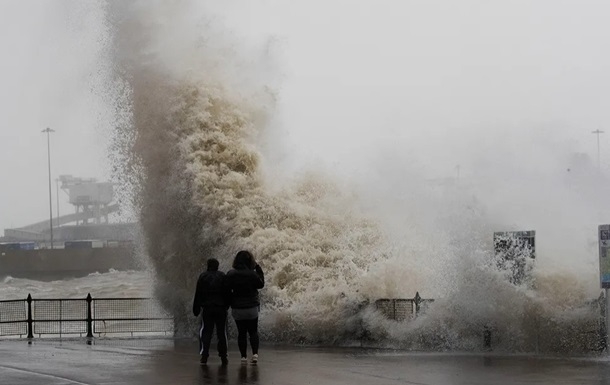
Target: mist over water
[[199, 144]]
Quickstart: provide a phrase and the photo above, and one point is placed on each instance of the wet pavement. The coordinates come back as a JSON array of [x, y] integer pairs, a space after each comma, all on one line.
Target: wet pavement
[[169, 362]]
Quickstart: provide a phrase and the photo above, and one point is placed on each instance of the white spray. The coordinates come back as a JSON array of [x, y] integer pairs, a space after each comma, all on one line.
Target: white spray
[[190, 147]]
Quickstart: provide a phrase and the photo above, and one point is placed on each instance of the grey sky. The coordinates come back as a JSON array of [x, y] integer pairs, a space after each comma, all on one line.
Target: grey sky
[[435, 83], [46, 71], [437, 78]]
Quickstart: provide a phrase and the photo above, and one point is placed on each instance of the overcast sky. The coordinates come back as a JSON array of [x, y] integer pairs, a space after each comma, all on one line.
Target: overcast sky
[[48, 58], [435, 83]]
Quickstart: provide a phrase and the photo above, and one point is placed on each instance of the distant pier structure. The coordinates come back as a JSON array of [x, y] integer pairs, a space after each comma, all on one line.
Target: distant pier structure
[[91, 198], [93, 204], [84, 241]]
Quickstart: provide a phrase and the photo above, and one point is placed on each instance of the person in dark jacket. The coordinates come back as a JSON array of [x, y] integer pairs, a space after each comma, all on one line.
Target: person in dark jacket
[[243, 282], [211, 300]]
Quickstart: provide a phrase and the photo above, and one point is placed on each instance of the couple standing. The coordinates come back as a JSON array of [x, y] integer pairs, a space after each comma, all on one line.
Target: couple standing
[[237, 289]]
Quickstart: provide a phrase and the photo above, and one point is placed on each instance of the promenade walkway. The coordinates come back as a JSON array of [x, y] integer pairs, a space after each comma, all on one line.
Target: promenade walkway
[[169, 362]]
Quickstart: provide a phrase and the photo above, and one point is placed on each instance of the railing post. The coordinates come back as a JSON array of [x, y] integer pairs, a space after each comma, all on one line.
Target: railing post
[[176, 325], [30, 320], [487, 337], [89, 317], [603, 335], [417, 301]]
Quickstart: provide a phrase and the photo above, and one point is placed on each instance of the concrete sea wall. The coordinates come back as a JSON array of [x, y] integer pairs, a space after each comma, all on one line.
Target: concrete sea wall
[[47, 264]]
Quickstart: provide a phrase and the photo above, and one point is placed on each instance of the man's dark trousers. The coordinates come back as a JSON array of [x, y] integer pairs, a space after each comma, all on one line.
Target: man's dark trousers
[[210, 319]]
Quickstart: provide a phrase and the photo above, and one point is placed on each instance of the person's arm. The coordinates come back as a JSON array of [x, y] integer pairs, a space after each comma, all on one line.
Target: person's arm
[[261, 277], [226, 291]]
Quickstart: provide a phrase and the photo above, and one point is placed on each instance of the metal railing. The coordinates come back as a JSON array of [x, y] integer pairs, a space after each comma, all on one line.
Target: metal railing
[[405, 309], [401, 309], [85, 317]]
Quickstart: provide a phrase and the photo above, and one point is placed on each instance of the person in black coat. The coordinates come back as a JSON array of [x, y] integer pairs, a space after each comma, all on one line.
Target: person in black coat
[[243, 282], [212, 301]]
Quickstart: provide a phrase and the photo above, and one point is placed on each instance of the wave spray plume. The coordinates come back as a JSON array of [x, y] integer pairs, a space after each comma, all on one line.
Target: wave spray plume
[[201, 192], [189, 145]]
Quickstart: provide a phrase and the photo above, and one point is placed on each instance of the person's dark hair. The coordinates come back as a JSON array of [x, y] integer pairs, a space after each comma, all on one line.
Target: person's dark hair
[[243, 260], [213, 264]]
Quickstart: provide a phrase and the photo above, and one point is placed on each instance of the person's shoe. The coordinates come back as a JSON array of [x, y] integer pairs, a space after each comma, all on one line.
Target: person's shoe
[[254, 358], [224, 361], [244, 360], [203, 360]]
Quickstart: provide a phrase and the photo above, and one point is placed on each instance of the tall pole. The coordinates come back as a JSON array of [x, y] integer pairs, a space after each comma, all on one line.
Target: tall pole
[[607, 317], [48, 132], [597, 132], [57, 196]]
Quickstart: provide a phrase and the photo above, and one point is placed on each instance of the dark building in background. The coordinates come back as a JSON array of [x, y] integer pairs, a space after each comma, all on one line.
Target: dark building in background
[[514, 253]]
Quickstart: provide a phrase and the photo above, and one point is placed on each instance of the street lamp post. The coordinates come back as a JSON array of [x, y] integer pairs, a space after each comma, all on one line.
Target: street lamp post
[[48, 132], [57, 198]]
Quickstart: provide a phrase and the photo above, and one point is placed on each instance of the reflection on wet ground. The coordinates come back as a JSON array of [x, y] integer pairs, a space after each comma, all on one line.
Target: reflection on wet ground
[[156, 362], [219, 374]]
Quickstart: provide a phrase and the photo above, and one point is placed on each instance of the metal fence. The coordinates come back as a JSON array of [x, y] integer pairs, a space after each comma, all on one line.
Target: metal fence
[[85, 317], [401, 309], [404, 309], [13, 318]]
